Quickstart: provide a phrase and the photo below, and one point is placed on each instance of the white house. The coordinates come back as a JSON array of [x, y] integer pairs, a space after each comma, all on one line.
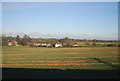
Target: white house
[[44, 44], [58, 45], [9, 43], [37, 44]]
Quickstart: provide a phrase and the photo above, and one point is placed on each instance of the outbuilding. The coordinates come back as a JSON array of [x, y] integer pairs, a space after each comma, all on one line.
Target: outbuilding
[[58, 45]]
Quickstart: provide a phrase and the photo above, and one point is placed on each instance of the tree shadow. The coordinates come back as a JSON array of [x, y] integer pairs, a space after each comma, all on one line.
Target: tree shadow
[[27, 73], [106, 63]]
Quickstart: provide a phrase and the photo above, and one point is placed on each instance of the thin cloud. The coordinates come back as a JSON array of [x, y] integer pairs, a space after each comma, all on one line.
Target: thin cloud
[[20, 5], [28, 5], [53, 35], [60, 0]]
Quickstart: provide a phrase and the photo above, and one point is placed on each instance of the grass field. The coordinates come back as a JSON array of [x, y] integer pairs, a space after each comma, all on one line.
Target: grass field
[[98, 43], [61, 58]]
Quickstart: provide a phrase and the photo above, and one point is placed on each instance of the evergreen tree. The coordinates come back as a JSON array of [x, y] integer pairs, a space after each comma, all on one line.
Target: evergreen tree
[[18, 39]]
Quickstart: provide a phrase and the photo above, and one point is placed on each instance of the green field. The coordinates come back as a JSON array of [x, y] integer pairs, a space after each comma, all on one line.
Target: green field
[[98, 43], [61, 58]]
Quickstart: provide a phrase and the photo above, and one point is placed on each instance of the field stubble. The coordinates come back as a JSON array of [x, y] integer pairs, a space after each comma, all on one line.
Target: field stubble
[[62, 58]]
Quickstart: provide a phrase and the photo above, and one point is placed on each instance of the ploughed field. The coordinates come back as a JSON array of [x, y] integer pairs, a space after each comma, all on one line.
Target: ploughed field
[[105, 58]]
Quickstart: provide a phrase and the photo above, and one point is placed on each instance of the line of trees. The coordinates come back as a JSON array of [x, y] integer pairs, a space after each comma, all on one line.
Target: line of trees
[[66, 42], [26, 40], [21, 41]]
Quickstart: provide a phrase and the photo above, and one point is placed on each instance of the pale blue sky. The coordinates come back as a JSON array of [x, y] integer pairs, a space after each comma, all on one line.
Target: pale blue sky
[[60, 0], [81, 20]]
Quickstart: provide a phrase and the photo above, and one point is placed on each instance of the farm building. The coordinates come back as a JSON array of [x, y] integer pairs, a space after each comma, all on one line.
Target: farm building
[[58, 45]]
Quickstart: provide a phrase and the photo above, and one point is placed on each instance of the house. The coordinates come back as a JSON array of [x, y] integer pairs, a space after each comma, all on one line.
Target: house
[[75, 45], [41, 45], [58, 45], [36, 44], [12, 42], [48, 45]]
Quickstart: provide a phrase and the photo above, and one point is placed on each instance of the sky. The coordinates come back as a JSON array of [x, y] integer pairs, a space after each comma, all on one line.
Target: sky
[[79, 20], [59, 0]]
